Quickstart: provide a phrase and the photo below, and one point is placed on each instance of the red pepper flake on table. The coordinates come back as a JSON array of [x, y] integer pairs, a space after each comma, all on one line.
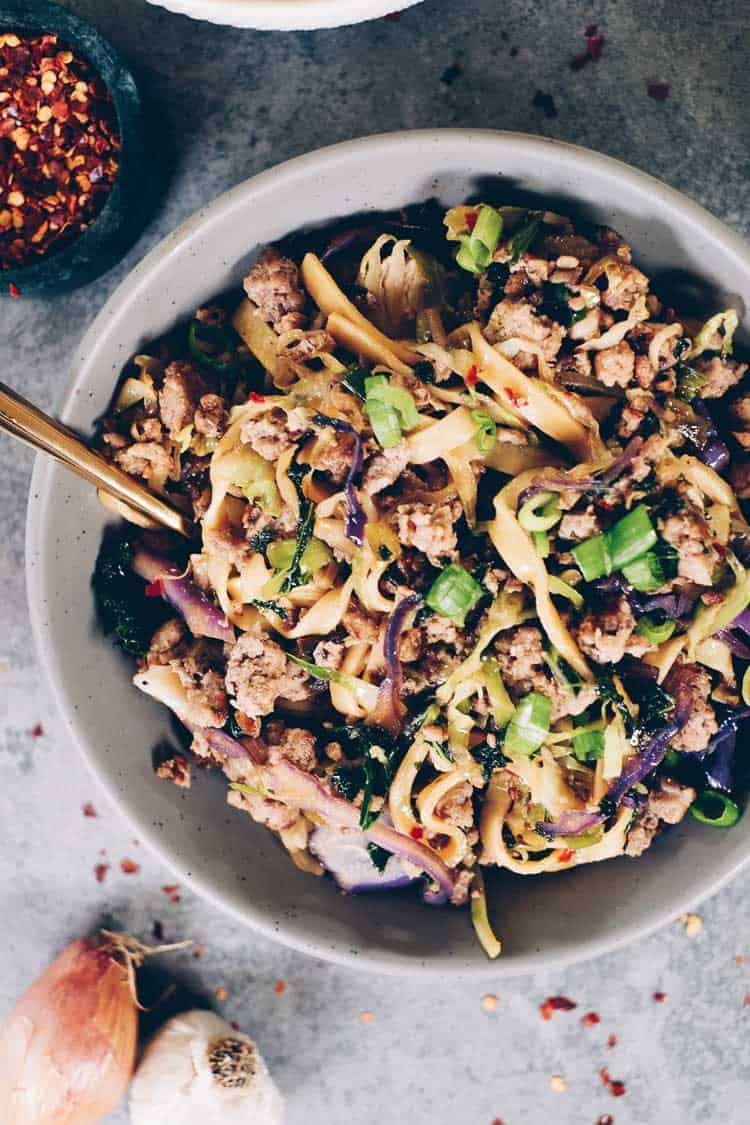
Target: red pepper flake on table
[[36, 731], [594, 48], [660, 997], [59, 147], [89, 810], [556, 1004], [612, 1041], [590, 1019], [129, 867], [615, 1086], [280, 987], [100, 872]]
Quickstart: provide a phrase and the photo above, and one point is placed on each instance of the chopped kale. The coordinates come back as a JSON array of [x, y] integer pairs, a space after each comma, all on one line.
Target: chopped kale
[[348, 781], [293, 577], [556, 297], [353, 380], [121, 604], [380, 756], [232, 727], [274, 607], [261, 539], [608, 693], [424, 371], [655, 706], [521, 239], [379, 856], [384, 552], [489, 757]]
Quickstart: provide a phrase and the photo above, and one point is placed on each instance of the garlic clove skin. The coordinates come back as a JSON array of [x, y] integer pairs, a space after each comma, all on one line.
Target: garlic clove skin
[[197, 1070]]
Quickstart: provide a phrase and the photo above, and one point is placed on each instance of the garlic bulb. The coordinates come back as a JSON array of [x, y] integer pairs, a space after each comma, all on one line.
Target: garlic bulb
[[198, 1071]]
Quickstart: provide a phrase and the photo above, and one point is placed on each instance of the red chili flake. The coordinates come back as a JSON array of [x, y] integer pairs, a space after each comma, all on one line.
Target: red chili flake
[[255, 397], [88, 809], [14, 290], [37, 731], [417, 832], [605, 1119], [594, 47], [590, 1019], [234, 1025], [470, 378], [128, 867], [660, 997], [556, 1004], [739, 959], [498, 1121], [59, 147], [591, 30], [100, 871], [747, 999], [280, 987], [171, 889], [154, 589], [615, 1086], [471, 220], [612, 1041], [659, 91], [565, 856], [198, 950]]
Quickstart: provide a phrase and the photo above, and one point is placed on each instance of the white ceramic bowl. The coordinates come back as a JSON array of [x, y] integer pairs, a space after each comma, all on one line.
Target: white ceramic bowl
[[285, 15], [221, 853]]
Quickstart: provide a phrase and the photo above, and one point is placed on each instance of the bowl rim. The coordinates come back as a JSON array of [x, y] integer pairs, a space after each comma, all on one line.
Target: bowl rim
[[39, 497], [285, 15], [97, 244]]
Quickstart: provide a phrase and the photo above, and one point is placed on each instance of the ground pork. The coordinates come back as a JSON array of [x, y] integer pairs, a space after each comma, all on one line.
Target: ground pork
[[653, 450], [537, 270], [410, 646], [175, 769], [329, 654], [690, 535], [625, 284], [255, 672], [615, 366], [666, 804], [147, 429], [739, 475], [520, 658], [638, 403], [203, 683], [456, 806], [518, 318], [210, 417], [270, 434], [384, 469], [273, 284], [296, 686], [439, 630], [460, 892], [722, 372], [295, 744], [604, 634], [168, 642], [179, 395], [333, 453], [579, 525], [690, 684], [429, 528], [148, 460], [359, 624]]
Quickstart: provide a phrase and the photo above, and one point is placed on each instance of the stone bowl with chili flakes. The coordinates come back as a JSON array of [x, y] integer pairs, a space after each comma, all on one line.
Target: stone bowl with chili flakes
[[72, 159]]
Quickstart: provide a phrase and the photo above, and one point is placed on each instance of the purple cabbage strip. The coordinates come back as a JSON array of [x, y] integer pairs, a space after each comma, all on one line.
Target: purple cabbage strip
[[349, 239], [631, 450], [354, 526], [735, 645], [742, 621], [344, 854], [202, 617], [571, 822], [675, 605], [715, 453], [644, 763], [562, 484], [720, 768], [388, 708]]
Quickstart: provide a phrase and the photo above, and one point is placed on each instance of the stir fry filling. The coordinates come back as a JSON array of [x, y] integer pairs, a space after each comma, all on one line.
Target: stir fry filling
[[469, 584]]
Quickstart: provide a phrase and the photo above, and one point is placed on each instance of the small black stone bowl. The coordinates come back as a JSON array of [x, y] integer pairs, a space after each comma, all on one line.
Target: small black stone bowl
[[124, 213]]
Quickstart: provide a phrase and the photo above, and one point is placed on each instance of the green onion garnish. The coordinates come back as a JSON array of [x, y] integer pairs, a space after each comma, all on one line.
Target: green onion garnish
[[500, 701], [212, 347], [628, 539], [529, 726], [540, 513], [715, 809], [454, 593], [689, 382], [589, 746], [653, 569], [316, 554], [655, 632], [540, 539], [391, 410], [522, 239], [486, 433], [476, 249], [564, 590]]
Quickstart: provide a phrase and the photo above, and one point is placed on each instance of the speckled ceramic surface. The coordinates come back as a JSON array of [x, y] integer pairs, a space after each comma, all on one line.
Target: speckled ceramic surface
[[220, 852], [120, 221], [285, 15]]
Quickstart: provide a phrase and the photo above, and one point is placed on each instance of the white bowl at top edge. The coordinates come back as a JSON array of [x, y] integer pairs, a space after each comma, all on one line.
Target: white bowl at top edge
[[221, 853], [285, 15]]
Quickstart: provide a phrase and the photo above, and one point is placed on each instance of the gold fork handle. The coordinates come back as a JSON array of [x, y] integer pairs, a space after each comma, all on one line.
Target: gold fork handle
[[32, 426]]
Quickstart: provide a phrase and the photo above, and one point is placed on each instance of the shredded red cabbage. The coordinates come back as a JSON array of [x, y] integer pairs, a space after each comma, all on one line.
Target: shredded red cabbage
[[715, 452], [631, 450], [735, 645], [354, 525], [571, 822], [644, 763], [388, 710], [202, 617]]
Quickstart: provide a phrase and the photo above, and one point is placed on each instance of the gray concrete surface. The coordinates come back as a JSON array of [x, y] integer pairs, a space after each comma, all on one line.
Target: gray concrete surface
[[226, 104]]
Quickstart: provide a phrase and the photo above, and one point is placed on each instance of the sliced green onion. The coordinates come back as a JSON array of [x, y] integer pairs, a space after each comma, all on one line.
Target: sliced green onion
[[589, 746], [593, 557], [540, 513], [655, 632], [529, 726], [715, 809], [628, 539], [391, 410], [486, 433], [671, 759], [653, 569], [583, 839], [211, 346], [500, 701], [689, 382], [557, 586], [317, 554], [465, 258], [522, 239], [454, 593], [540, 539], [485, 236], [631, 537]]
